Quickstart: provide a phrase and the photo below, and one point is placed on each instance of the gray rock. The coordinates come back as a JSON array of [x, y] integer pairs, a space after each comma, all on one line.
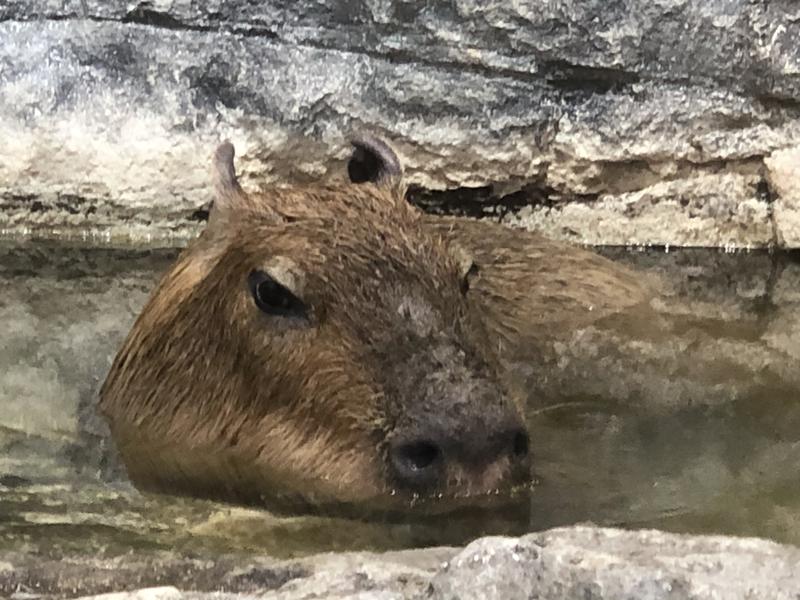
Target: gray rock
[[565, 563], [783, 170], [347, 575], [586, 562], [624, 122], [159, 593]]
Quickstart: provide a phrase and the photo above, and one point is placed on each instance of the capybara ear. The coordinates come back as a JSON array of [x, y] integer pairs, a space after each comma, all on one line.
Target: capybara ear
[[229, 194], [373, 161], [230, 200]]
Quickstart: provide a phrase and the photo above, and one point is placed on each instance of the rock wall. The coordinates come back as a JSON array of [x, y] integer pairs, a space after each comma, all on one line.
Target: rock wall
[[607, 121]]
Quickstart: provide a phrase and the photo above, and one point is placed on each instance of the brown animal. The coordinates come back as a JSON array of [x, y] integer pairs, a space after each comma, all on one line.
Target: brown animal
[[334, 344]]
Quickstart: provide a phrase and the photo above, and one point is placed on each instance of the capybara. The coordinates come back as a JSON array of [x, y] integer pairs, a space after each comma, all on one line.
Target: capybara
[[334, 344]]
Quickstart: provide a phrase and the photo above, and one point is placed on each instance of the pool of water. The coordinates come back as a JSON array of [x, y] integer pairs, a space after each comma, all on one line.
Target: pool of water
[[683, 416]]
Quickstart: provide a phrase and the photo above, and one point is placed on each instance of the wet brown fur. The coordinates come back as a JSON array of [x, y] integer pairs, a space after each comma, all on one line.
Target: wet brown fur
[[530, 288], [245, 421], [248, 415]]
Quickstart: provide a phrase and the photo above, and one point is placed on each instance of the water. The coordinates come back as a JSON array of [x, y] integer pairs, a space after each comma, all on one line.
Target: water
[[684, 416]]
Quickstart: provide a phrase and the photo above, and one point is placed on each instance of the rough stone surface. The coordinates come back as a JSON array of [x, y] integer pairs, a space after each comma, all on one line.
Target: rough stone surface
[[347, 575], [584, 562], [783, 169], [565, 563], [619, 122], [159, 593]]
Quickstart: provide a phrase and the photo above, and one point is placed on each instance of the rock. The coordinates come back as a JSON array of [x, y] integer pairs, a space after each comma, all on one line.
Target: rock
[[702, 209], [586, 562], [783, 170], [159, 593], [374, 577], [563, 563], [347, 575], [618, 123]]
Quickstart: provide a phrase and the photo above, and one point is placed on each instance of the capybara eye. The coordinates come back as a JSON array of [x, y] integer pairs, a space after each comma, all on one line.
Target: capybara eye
[[471, 272], [274, 298]]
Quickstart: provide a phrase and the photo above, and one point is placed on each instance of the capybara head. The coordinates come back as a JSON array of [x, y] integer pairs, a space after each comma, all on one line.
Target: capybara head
[[320, 343]]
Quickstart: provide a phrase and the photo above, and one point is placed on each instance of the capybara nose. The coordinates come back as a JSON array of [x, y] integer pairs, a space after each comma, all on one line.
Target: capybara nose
[[433, 460], [417, 463], [509, 444], [520, 445]]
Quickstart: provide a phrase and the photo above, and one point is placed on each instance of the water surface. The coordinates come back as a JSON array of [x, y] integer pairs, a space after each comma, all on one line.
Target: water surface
[[685, 417]]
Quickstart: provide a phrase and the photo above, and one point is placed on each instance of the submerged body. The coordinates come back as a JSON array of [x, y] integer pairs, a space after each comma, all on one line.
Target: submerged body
[[333, 344]]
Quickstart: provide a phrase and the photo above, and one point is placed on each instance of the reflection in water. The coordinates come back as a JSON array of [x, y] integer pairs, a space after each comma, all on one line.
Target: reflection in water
[[683, 416]]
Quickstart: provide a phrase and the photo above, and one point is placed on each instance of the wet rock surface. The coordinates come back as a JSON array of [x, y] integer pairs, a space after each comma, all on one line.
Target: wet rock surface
[[620, 122], [584, 562], [327, 575], [576, 562]]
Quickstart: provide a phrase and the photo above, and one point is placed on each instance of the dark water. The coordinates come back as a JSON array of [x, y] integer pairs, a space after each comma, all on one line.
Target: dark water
[[685, 417]]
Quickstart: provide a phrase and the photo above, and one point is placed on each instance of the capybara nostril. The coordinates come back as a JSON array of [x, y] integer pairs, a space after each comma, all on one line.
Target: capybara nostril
[[416, 463], [520, 445]]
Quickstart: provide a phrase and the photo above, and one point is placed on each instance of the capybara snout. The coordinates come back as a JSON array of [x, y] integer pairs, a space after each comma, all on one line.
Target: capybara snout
[[476, 453], [461, 432]]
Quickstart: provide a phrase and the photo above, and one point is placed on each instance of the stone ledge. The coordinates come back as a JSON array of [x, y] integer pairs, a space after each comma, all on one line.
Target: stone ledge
[[639, 123], [564, 563]]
